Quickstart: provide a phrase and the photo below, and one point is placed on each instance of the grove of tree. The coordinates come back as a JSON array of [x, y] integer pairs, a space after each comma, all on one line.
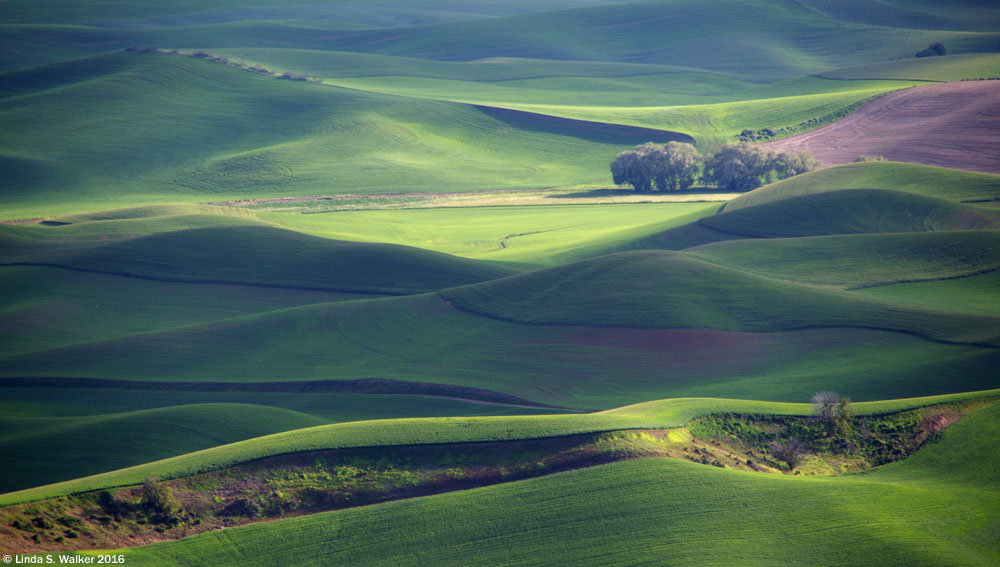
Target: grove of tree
[[668, 167], [736, 167]]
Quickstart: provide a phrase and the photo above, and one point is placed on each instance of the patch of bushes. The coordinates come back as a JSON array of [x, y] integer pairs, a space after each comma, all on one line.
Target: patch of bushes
[[867, 157], [832, 433], [933, 50]]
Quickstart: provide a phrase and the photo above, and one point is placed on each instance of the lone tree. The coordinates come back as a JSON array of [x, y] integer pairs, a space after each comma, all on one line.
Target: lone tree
[[791, 452], [668, 167], [834, 411]]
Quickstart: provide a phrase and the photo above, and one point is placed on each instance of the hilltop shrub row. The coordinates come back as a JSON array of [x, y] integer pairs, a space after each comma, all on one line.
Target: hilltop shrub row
[[675, 166], [256, 68]]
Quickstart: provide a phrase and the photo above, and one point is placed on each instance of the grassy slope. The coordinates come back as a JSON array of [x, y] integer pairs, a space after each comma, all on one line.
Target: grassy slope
[[530, 235], [661, 289], [976, 294], [44, 307], [375, 433], [254, 255], [774, 350], [862, 260], [758, 38], [713, 124], [163, 128], [936, 508], [642, 86], [94, 444], [772, 33], [851, 211], [949, 68], [330, 406], [941, 183]]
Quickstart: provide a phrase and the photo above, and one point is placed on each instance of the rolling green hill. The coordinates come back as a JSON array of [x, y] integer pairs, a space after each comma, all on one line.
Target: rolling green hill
[[851, 211], [974, 294], [775, 38], [941, 183], [863, 260], [658, 289], [162, 128], [260, 256], [94, 444], [206, 266], [617, 329], [400, 432], [931, 509], [949, 68], [45, 307], [529, 235]]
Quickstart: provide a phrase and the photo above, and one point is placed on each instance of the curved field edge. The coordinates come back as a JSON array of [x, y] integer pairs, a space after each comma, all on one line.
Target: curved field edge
[[436, 431], [114, 441], [915, 512], [662, 289], [260, 256], [926, 180], [862, 260]]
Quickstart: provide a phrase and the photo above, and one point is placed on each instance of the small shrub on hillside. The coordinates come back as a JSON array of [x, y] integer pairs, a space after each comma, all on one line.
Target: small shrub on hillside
[[293, 76], [156, 498], [111, 505], [756, 135], [41, 523], [242, 506], [933, 50], [867, 157]]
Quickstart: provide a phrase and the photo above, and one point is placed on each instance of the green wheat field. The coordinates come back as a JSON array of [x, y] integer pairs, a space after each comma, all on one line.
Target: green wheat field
[[348, 282]]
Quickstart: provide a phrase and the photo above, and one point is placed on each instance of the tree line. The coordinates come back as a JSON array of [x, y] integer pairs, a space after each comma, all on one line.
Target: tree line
[[675, 166]]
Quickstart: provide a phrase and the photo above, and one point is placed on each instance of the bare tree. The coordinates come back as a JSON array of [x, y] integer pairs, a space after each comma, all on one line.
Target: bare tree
[[824, 407], [791, 452], [834, 411]]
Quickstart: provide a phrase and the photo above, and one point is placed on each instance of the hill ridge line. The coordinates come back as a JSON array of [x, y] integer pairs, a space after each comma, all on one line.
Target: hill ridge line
[[211, 282], [372, 386], [790, 329]]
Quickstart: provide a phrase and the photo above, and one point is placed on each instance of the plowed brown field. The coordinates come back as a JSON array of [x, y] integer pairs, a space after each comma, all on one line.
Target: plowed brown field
[[954, 125]]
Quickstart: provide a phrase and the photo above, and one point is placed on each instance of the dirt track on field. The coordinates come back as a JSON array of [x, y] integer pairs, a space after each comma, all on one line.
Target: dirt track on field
[[954, 125]]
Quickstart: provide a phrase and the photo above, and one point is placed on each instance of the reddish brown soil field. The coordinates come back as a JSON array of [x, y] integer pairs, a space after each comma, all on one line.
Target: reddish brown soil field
[[954, 125]]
